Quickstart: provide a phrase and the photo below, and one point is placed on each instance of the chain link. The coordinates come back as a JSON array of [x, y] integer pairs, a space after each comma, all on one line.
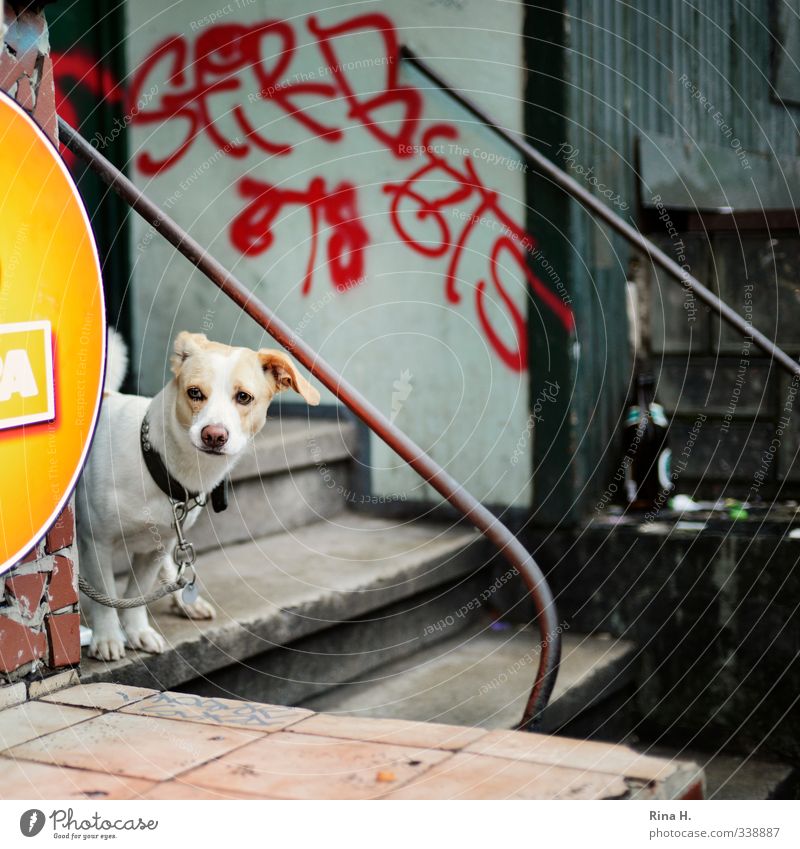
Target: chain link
[[183, 555]]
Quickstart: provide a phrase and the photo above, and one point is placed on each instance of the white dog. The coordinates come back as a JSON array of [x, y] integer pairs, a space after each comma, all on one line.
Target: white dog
[[195, 430]]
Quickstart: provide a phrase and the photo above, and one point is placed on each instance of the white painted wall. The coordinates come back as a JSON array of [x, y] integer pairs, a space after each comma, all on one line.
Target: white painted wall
[[395, 333]]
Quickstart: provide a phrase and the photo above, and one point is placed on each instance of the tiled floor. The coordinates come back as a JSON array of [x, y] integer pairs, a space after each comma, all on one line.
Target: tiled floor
[[106, 741]]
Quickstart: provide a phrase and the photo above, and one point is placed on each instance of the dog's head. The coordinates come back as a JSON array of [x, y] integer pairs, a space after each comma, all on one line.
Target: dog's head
[[223, 392]]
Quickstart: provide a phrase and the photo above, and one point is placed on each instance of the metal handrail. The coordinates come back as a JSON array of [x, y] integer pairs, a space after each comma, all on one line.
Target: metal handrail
[[486, 522], [542, 164]]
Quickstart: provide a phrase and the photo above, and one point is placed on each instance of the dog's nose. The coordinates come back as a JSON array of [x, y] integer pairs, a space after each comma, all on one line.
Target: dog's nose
[[214, 436]]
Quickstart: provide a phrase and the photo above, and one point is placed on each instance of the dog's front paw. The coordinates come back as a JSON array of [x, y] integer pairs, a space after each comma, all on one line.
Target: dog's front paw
[[146, 639], [198, 609], [107, 647]]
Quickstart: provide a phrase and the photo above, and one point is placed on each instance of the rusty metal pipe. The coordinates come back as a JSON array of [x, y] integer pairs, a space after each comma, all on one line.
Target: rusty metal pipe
[[605, 214], [488, 524]]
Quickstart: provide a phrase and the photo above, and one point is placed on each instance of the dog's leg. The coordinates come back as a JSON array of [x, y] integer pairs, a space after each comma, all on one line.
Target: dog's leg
[[108, 641], [139, 634], [198, 609]]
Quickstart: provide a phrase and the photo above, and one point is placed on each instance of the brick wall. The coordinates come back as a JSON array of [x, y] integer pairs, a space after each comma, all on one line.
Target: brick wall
[[39, 620]]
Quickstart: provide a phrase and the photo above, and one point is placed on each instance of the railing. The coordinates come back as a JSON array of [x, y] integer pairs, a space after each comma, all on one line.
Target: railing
[[488, 524], [594, 205]]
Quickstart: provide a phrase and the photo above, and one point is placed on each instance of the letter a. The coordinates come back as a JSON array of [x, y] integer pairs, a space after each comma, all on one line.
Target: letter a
[[16, 376]]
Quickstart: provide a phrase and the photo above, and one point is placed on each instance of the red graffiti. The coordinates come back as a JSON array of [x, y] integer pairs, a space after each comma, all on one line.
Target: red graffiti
[[219, 56], [238, 86], [251, 231], [392, 94], [73, 71], [430, 196], [217, 65]]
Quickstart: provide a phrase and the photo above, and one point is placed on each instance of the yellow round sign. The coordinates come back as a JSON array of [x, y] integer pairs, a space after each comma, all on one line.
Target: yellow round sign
[[52, 333]]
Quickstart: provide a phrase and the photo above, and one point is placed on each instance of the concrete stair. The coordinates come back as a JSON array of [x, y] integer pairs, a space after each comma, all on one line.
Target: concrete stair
[[732, 776], [282, 587], [482, 677], [368, 615]]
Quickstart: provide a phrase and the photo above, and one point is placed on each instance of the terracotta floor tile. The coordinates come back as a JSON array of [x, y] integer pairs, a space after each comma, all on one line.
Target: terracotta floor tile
[[288, 765], [33, 719], [138, 746], [575, 754], [400, 732], [466, 776], [29, 780], [101, 696], [230, 713], [183, 790]]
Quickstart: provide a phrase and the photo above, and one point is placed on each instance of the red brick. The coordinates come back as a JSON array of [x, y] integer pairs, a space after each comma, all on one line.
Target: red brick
[[28, 590], [63, 634], [25, 96], [26, 34], [61, 592], [19, 644], [62, 533]]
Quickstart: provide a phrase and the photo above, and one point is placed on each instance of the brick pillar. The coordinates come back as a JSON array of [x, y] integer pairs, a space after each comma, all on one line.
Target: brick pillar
[[39, 633]]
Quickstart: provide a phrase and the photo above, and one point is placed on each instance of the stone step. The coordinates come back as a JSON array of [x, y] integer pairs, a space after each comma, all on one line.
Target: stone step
[[288, 443], [732, 776], [291, 674], [278, 589], [296, 471], [482, 677]]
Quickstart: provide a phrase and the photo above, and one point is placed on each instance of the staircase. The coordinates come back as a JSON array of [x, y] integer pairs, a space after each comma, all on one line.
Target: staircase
[[350, 612]]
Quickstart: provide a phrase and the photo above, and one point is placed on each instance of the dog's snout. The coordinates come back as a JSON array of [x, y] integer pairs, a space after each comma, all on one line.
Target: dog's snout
[[214, 436]]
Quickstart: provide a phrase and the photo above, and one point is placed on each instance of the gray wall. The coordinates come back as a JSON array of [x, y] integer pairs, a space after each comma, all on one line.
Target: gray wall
[[688, 79]]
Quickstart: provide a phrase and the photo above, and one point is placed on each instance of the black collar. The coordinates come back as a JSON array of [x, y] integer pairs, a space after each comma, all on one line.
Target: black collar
[[168, 485]]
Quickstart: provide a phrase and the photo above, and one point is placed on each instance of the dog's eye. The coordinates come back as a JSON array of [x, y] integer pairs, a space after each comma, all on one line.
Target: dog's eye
[[194, 393], [243, 398]]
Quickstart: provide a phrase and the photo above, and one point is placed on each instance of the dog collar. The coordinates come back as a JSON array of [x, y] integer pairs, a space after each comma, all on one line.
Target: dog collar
[[174, 490]]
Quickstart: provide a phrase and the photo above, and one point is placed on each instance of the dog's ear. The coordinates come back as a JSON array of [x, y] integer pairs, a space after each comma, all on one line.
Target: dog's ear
[[186, 344], [286, 375]]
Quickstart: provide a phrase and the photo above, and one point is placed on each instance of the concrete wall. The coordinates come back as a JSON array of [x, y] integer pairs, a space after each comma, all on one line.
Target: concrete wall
[[302, 153], [616, 89]]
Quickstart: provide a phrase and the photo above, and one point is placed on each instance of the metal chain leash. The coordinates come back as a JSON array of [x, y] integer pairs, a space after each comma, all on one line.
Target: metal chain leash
[[136, 601], [184, 557]]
